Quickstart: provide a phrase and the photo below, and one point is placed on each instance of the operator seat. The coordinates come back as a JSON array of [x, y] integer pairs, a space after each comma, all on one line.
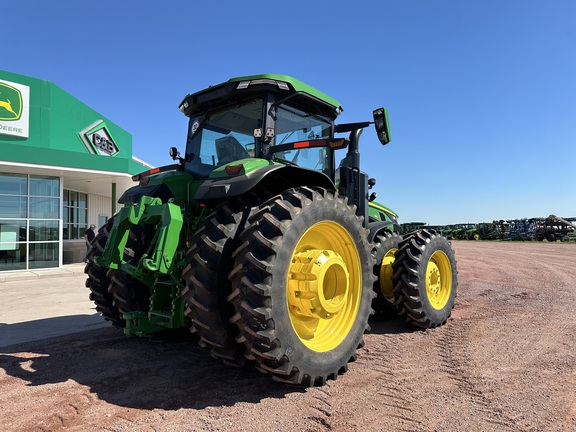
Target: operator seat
[[228, 149]]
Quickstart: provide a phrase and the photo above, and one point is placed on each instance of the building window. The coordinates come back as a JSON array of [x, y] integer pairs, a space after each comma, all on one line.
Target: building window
[[29, 221], [75, 215]]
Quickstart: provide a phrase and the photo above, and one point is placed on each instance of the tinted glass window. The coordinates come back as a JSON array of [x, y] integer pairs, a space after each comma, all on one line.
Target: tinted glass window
[[13, 184]]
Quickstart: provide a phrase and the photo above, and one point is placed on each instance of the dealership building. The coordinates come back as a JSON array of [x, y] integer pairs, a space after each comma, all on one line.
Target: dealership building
[[62, 168]]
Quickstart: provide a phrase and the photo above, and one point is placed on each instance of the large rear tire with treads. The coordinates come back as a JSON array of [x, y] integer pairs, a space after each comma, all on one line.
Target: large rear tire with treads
[[303, 286]]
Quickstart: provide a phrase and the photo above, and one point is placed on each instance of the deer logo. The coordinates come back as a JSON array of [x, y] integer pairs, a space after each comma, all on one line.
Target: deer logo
[[7, 105], [10, 102]]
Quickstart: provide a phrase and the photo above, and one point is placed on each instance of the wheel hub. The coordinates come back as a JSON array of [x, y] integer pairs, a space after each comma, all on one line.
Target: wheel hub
[[434, 282], [318, 283], [438, 280]]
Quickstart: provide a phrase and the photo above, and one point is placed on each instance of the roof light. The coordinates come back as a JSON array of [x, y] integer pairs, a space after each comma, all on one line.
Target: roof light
[[184, 106], [245, 84], [263, 81]]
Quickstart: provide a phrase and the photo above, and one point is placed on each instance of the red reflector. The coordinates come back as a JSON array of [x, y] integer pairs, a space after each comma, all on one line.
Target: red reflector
[[154, 171], [313, 143], [233, 169]]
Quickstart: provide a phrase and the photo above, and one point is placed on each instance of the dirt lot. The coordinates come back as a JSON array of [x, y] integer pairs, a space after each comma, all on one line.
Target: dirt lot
[[504, 362]]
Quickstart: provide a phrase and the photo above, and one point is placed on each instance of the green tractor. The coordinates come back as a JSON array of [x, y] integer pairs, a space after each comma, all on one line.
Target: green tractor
[[257, 243]]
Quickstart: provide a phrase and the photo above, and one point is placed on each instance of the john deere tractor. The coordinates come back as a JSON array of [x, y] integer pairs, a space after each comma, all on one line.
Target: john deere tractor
[[256, 241]]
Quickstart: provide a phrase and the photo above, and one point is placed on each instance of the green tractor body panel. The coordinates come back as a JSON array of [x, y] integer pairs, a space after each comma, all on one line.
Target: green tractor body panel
[[244, 166], [379, 212], [167, 217]]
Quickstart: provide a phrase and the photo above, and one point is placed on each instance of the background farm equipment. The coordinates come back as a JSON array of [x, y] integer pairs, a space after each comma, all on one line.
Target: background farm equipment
[[411, 226], [490, 231], [522, 229], [553, 228]]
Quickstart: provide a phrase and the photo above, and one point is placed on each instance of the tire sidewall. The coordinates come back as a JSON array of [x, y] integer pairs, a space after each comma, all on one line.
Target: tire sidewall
[[437, 243]]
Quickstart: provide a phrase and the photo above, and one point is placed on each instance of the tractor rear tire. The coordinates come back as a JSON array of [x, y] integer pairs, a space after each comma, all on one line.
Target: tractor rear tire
[[130, 294], [98, 280], [385, 247], [425, 279], [207, 285], [303, 286]]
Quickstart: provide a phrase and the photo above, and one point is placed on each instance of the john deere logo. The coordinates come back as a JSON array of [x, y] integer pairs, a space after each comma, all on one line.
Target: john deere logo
[[98, 140], [10, 103]]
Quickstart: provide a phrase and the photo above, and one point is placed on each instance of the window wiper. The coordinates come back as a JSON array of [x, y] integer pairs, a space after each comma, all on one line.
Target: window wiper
[[286, 137]]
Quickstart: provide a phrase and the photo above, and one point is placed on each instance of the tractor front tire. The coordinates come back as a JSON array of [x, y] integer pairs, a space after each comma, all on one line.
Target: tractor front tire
[[303, 286], [425, 279]]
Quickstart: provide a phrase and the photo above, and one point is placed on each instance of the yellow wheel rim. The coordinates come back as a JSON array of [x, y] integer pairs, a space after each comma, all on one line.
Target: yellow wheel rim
[[385, 277], [438, 280], [324, 286]]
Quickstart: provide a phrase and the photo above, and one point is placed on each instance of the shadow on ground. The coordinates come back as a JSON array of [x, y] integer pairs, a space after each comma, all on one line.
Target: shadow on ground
[[144, 373]]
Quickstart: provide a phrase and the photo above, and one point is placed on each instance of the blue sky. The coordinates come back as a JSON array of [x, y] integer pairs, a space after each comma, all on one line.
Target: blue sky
[[481, 93]]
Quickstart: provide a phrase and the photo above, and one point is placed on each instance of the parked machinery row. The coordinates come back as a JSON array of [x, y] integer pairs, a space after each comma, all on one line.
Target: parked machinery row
[[551, 228]]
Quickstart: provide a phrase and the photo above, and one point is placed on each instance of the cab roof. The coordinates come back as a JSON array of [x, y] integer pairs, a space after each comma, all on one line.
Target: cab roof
[[236, 87]]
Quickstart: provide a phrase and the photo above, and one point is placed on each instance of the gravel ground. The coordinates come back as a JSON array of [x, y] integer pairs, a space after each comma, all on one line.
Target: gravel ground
[[505, 361]]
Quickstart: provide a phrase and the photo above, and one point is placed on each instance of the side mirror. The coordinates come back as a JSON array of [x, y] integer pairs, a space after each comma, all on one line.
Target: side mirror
[[382, 125], [174, 153]]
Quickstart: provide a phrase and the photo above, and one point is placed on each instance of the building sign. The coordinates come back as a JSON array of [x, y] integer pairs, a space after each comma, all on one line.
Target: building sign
[[98, 139], [14, 109]]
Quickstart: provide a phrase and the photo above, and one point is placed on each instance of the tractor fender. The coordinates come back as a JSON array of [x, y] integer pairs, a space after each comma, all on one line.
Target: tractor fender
[[275, 178], [374, 228]]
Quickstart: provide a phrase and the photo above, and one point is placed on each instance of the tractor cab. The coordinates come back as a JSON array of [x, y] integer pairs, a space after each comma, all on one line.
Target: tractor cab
[[272, 117], [256, 117]]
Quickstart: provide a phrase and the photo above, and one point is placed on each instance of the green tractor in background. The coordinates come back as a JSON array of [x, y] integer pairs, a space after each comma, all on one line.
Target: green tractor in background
[[256, 241]]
